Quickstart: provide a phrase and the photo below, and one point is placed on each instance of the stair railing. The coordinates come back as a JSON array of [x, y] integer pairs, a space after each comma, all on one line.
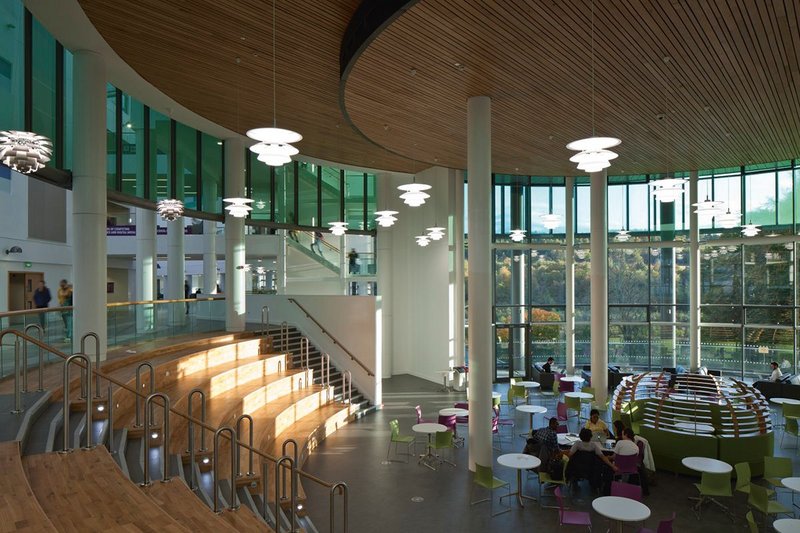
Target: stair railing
[[192, 475], [148, 419], [215, 483], [294, 458], [239, 421], [279, 475], [110, 431], [326, 370], [284, 336], [66, 410], [334, 339], [349, 387], [304, 352], [38, 328], [138, 422], [264, 320], [342, 489], [96, 359]]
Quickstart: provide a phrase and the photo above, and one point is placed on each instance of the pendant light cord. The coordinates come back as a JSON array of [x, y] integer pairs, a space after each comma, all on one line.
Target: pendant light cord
[[274, 60]]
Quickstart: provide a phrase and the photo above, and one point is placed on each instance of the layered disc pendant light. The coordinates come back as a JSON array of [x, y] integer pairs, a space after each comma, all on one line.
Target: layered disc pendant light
[[23, 151], [170, 209], [238, 207], [386, 218], [275, 144], [338, 228], [517, 235], [593, 152]]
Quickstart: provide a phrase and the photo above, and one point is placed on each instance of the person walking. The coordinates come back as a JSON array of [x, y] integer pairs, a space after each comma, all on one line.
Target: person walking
[[352, 259], [41, 300], [316, 242], [65, 300]]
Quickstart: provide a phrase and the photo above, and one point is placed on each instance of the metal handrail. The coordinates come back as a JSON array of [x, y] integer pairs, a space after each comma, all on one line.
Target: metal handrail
[[284, 335], [110, 431], [325, 370], [239, 421], [349, 387], [96, 359], [174, 411], [334, 339], [138, 422], [17, 378], [192, 475], [264, 320], [66, 308], [38, 328], [279, 475], [65, 393], [343, 490], [215, 483], [148, 415], [294, 457], [304, 350]]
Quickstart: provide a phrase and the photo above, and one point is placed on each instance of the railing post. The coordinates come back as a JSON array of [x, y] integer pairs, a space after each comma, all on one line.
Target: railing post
[[234, 501], [66, 409], [343, 491], [294, 458], [284, 335], [349, 387], [192, 479], [250, 472], [279, 474], [264, 320], [38, 328], [17, 378], [96, 359], [304, 352], [264, 492], [138, 422], [148, 416], [110, 443]]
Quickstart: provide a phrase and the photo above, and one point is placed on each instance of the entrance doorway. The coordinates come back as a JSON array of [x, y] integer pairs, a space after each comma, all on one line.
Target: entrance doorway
[[20, 289]]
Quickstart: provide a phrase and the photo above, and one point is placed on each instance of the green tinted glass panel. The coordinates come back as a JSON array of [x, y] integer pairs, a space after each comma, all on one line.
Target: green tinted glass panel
[[260, 187], [284, 194], [44, 82], [69, 108], [371, 201], [12, 66], [308, 187], [785, 196], [111, 136], [186, 164], [760, 198], [354, 199], [211, 175], [133, 149], [332, 196], [159, 156]]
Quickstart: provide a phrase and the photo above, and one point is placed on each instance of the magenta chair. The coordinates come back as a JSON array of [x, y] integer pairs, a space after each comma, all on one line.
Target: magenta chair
[[562, 415], [627, 464], [572, 518], [421, 420], [448, 421], [626, 490], [462, 419], [664, 526]]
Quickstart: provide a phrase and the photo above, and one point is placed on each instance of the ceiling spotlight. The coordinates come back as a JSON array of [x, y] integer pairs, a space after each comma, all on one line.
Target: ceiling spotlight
[[414, 194], [238, 207], [170, 209], [24, 151], [386, 218], [338, 228], [517, 235], [154, 435], [668, 190], [101, 408], [435, 233]]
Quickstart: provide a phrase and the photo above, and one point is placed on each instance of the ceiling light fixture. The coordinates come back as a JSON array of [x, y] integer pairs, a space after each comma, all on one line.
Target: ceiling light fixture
[[709, 208], [23, 151], [667, 190], [260, 204], [423, 240], [338, 228], [436, 233], [170, 209], [751, 230], [551, 220], [386, 218], [623, 236], [238, 207], [517, 235], [413, 193], [274, 147], [729, 219]]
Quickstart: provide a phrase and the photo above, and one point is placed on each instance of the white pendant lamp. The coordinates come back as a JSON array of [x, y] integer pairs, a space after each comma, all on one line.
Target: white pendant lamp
[[23, 151], [667, 190], [551, 220], [517, 235], [751, 230], [414, 194], [386, 218], [623, 236], [435, 233], [170, 209], [423, 240], [729, 219], [238, 207], [338, 228], [260, 204], [709, 208]]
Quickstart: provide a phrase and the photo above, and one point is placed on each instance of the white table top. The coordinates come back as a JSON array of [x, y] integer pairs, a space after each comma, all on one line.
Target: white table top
[[622, 509], [428, 427], [781, 401], [574, 379], [696, 427], [450, 411], [567, 439], [532, 409], [787, 525], [520, 461], [496, 395], [792, 483], [581, 395], [706, 464], [529, 384]]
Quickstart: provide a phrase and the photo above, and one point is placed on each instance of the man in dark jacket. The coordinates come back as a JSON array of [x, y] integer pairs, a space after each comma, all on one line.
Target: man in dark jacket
[[41, 300]]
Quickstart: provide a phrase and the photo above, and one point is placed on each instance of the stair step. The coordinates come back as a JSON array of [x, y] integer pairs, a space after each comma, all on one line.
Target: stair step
[[42, 434]]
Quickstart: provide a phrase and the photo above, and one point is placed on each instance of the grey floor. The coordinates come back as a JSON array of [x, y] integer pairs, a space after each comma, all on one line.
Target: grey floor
[[381, 494]]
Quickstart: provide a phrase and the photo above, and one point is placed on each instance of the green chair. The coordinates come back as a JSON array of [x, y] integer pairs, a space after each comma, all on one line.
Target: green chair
[[574, 404], [553, 393], [791, 416], [484, 477], [743, 478], [546, 479], [444, 441], [712, 486], [397, 438], [516, 391], [777, 468], [590, 401], [751, 522], [760, 501]]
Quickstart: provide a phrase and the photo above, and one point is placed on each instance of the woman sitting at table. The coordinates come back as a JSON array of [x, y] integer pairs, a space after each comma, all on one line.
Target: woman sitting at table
[[583, 460], [595, 425], [619, 427], [628, 446]]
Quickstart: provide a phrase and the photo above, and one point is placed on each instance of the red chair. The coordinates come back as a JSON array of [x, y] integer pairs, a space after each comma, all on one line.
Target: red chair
[[626, 490], [421, 420], [664, 526], [572, 518]]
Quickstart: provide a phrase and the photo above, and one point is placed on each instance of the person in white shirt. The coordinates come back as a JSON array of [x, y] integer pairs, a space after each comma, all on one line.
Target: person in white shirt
[[626, 446], [776, 372]]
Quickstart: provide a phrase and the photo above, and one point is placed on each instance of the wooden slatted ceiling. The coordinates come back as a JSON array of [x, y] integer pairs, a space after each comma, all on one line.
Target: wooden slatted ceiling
[[729, 87]]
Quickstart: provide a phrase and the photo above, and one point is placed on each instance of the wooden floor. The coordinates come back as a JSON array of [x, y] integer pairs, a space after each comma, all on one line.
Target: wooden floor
[[182, 504], [19, 509]]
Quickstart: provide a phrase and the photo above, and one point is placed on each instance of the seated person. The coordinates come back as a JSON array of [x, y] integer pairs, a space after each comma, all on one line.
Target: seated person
[[546, 439], [548, 366], [628, 446], [595, 425], [619, 427], [581, 468], [776, 372]]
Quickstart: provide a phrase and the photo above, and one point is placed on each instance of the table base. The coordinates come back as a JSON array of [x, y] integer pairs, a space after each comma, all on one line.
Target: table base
[[520, 496], [704, 499]]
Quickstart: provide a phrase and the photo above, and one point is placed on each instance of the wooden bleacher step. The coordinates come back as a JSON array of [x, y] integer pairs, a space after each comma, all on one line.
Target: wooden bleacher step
[[19, 509]]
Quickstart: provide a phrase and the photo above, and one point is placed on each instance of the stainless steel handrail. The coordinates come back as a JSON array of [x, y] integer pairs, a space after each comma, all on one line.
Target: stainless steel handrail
[[215, 483], [96, 359], [110, 431], [148, 415], [304, 351], [192, 475], [264, 320], [265, 492], [294, 458], [343, 490], [239, 421], [293, 491], [38, 328], [349, 387], [65, 393], [138, 422], [325, 370], [334, 339], [17, 378], [284, 336]]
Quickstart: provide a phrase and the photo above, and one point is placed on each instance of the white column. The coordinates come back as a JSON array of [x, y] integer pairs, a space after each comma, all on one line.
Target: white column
[[479, 176], [145, 266], [599, 292], [209, 257], [176, 269], [694, 276], [89, 198], [457, 239], [234, 238], [569, 313], [384, 260]]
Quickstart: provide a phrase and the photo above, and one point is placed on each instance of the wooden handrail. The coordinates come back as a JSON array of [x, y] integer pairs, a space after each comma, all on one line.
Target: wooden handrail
[[334, 339]]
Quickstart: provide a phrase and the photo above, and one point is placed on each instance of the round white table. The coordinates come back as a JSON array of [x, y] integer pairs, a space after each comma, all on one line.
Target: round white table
[[787, 525], [529, 385], [531, 410], [695, 427], [567, 439], [791, 483], [428, 428], [496, 395], [520, 462], [706, 464], [621, 510], [781, 401], [573, 380], [453, 411], [581, 395]]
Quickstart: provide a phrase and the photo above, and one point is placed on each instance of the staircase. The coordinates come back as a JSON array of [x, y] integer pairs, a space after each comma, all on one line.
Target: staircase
[[97, 489]]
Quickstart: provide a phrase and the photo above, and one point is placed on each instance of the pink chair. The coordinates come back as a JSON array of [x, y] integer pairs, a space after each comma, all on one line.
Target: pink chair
[[449, 421], [565, 386], [627, 464], [626, 490], [421, 420], [462, 419], [562, 415], [665, 526], [572, 518]]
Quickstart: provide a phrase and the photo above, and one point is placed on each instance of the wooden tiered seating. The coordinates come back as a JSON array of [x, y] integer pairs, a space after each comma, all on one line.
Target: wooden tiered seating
[[19, 509]]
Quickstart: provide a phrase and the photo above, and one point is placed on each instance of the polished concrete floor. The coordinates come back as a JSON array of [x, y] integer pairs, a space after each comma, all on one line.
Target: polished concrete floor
[[385, 496]]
